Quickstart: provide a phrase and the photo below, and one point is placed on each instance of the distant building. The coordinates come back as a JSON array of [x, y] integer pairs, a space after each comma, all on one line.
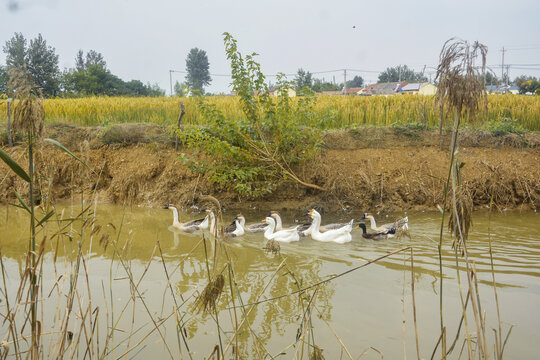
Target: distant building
[[333, 92], [367, 91], [418, 89], [353, 91], [290, 92], [388, 88], [502, 89]]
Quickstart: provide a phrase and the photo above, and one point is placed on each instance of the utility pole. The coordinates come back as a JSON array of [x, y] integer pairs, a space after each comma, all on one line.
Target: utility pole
[[170, 80], [507, 76], [345, 81], [502, 66]]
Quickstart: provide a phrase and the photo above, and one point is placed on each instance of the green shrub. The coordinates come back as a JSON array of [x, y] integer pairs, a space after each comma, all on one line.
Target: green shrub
[[251, 154], [505, 126]]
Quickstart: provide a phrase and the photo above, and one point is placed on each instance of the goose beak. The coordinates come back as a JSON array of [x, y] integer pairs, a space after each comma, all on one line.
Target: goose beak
[[166, 206], [264, 220]]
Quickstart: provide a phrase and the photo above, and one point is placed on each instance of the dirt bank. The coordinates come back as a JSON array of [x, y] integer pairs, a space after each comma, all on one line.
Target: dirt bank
[[375, 169]]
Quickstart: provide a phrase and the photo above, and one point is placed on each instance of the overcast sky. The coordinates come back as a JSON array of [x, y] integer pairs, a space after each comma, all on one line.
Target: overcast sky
[[142, 39]]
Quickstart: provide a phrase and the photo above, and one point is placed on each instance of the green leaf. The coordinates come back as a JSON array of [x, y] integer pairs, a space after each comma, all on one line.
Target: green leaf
[[54, 142], [45, 218], [23, 204], [17, 169]]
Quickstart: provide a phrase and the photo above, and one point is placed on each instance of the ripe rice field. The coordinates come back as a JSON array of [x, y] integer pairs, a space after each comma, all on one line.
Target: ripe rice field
[[340, 111]]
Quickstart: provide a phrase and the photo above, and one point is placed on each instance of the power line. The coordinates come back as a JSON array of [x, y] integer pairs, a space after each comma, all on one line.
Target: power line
[[535, 47]]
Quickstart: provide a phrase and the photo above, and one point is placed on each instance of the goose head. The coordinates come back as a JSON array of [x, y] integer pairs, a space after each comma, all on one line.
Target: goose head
[[313, 213], [269, 220], [171, 207], [367, 216], [241, 218]]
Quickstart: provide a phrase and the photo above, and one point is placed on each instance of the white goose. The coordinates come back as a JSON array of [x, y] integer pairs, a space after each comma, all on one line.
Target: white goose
[[189, 226], [341, 235], [258, 227], [306, 229], [287, 235], [237, 227], [401, 224], [279, 224]]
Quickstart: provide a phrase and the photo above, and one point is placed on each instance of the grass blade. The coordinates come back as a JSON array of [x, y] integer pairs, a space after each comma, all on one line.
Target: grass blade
[[54, 142], [17, 169], [45, 218], [23, 204]]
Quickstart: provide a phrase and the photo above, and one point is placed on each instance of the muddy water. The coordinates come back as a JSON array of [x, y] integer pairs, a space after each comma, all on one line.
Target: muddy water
[[365, 308]]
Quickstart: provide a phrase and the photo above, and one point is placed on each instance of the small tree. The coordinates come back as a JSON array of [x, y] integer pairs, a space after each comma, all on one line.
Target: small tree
[[79, 61], [250, 155], [3, 80], [400, 73], [16, 52], [303, 80], [356, 82], [38, 59], [320, 85], [95, 58], [198, 73], [179, 89], [43, 66]]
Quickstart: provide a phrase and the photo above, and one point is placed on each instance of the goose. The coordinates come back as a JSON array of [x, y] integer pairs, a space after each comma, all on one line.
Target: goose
[[305, 229], [279, 224], [189, 226], [377, 235], [258, 227], [401, 224], [287, 235], [209, 220], [236, 228], [341, 235]]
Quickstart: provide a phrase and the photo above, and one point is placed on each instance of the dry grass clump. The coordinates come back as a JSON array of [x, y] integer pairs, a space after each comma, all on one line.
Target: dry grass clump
[[460, 84], [460, 220], [206, 301], [28, 113]]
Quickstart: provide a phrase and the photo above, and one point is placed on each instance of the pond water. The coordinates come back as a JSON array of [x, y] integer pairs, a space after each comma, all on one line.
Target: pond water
[[368, 310]]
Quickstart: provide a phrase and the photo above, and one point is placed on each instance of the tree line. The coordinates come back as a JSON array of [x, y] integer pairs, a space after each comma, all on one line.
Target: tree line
[[90, 76]]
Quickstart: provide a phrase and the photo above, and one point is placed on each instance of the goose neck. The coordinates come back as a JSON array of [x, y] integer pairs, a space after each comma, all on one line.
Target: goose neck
[[315, 224], [279, 224], [270, 228], [175, 215], [372, 221]]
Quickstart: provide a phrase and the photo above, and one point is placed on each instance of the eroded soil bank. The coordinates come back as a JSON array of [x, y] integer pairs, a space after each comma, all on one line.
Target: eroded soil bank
[[371, 169]]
